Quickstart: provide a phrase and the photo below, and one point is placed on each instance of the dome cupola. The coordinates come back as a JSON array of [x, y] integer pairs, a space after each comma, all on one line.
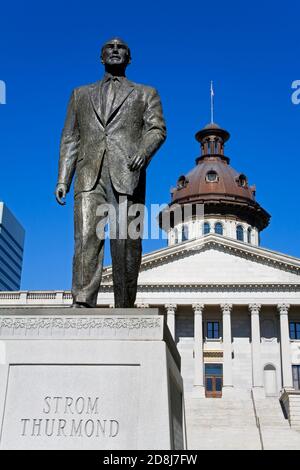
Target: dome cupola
[[212, 139]]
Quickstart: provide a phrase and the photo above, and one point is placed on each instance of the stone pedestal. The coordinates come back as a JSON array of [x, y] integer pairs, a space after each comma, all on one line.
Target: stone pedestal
[[89, 379], [291, 403]]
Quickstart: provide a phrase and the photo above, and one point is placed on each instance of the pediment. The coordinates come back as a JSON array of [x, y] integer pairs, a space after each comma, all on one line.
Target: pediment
[[215, 259]]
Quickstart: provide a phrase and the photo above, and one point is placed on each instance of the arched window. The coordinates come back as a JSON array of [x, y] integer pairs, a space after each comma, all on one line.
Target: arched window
[[185, 233], [240, 233], [249, 233], [219, 228], [270, 380], [212, 176], [182, 182], [206, 228], [176, 235], [242, 181]]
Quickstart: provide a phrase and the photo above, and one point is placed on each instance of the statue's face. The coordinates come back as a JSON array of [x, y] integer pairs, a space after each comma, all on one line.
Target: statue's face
[[115, 52]]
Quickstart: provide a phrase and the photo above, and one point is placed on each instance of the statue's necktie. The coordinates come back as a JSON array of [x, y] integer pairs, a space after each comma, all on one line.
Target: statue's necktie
[[109, 97]]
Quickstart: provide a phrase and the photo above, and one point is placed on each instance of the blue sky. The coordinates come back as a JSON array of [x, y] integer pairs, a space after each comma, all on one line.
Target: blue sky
[[249, 49]]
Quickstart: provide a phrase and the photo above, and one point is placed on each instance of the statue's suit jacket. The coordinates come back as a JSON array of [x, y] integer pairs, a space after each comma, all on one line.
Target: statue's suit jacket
[[135, 126]]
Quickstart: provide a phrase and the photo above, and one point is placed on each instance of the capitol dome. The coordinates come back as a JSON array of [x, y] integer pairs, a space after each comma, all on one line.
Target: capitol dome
[[230, 207]]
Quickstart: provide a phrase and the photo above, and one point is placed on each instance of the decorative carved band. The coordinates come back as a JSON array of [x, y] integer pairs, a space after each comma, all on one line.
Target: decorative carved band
[[75, 323], [215, 354]]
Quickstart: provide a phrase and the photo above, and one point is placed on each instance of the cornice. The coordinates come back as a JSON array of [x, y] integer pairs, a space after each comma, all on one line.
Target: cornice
[[212, 287]]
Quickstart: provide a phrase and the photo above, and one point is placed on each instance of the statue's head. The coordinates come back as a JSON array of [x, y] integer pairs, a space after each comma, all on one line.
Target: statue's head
[[115, 52]]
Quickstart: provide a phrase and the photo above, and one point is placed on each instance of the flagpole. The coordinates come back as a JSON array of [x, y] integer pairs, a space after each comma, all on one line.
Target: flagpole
[[212, 102]]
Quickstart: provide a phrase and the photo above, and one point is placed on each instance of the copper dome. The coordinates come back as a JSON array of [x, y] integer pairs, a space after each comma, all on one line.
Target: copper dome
[[213, 176], [213, 182]]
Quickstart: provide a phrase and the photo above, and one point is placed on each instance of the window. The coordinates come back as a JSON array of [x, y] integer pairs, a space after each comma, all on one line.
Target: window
[[296, 377], [240, 233], [270, 380], [294, 330], [213, 380], [182, 182], [185, 233], [249, 233], [213, 330], [242, 181], [219, 228], [212, 177], [206, 228]]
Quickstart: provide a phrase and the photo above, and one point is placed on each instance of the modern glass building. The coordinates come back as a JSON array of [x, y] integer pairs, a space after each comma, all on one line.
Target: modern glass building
[[12, 237]]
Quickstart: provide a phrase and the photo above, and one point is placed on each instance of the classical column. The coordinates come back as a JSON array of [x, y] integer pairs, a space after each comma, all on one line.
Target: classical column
[[254, 310], [287, 377], [198, 348], [171, 309], [227, 347]]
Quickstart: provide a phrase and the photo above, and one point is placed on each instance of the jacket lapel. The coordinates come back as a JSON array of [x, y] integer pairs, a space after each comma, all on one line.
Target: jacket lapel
[[122, 94], [96, 98], [95, 92]]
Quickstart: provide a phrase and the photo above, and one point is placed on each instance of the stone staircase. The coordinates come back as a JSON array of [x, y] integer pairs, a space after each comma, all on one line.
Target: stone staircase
[[229, 423], [221, 423], [275, 429]]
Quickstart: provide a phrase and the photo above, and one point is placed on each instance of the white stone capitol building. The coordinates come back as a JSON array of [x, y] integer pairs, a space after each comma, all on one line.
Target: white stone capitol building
[[232, 307]]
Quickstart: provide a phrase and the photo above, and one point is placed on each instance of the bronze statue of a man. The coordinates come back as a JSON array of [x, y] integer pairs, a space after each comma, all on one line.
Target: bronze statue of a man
[[112, 130]]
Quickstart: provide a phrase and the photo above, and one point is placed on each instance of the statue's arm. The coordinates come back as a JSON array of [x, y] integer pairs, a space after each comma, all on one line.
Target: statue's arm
[[155, 132], [69, 147]]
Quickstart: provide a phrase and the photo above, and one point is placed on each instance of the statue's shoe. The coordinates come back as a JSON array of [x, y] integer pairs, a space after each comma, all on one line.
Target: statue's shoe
[[80, 305]]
